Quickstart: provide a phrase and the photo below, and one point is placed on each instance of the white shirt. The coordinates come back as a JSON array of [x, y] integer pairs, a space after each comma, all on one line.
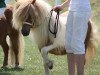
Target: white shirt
[[79, 5]]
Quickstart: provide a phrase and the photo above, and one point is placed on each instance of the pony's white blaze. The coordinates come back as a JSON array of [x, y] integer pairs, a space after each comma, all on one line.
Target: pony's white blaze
[[40, 14]]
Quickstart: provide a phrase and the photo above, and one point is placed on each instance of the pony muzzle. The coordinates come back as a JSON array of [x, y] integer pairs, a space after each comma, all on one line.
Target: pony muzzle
[[26, 28]]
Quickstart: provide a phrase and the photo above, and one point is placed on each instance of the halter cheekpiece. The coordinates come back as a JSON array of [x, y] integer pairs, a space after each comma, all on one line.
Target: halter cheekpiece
[[55, 25]]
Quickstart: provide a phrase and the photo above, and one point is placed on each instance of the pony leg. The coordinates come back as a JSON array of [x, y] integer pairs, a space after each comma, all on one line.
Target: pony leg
[[14, 45], [17, 45], [48, 64], [16, 55], [5, 50], [46, 69], [45, 50]]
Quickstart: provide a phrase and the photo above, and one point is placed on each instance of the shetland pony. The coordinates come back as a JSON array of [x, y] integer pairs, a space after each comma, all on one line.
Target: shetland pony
[[32, 17], [14, 47]]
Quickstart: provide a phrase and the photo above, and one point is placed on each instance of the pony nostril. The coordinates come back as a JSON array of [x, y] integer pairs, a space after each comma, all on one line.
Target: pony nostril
[[25, 33]]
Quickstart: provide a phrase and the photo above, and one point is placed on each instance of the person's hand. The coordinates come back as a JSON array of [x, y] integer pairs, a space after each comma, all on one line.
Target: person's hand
[[57, 8]]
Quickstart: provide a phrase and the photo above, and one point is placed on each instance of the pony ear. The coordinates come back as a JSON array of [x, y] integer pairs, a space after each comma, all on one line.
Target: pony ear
[[15, 0], [33, 1]]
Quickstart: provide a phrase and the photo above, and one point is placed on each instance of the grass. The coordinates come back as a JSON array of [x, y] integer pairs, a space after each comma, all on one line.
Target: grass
[[33, 64], [95, 11]]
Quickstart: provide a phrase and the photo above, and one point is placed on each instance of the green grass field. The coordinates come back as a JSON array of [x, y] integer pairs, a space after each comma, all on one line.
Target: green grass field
[[33, 64]]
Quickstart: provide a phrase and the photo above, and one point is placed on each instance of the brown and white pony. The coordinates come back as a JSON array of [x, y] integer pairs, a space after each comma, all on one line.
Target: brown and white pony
[[12, 46], [33, 15]]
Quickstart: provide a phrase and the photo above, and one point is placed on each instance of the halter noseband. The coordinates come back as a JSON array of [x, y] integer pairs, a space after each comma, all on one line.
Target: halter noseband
[[27, 23]]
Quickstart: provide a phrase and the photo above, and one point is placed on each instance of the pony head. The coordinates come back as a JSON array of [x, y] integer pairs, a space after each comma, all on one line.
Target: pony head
[[26, 26], [29, 14], [25, 14], [28, 23], [8, 13]]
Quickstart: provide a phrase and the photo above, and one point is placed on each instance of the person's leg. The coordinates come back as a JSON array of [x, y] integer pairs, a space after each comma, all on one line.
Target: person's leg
[[71, 63], [77, 44], [80, 59]]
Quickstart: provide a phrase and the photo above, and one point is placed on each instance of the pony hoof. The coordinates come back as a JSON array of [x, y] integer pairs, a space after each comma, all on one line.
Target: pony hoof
[[18, 68], [50, 65], [4, 67]]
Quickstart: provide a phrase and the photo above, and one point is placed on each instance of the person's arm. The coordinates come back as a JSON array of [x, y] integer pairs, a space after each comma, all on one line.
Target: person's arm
[[62, 6], [65, 4]]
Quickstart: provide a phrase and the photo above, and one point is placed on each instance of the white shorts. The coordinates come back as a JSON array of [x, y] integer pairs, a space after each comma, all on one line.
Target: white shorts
[[2, 11], [76, 30]]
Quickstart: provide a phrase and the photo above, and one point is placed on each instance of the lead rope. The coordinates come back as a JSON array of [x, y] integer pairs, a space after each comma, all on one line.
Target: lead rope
[[55, 25]]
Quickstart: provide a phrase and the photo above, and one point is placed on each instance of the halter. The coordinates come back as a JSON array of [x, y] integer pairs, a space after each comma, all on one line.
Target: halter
[[27, 23], [55, 25]]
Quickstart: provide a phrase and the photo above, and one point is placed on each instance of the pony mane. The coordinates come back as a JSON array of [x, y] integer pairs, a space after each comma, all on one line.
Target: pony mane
[[41, 10], [22, 8]]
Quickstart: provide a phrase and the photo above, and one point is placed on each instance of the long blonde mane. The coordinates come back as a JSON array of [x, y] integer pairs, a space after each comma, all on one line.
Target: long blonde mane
[[40, 14], [23, 8]]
